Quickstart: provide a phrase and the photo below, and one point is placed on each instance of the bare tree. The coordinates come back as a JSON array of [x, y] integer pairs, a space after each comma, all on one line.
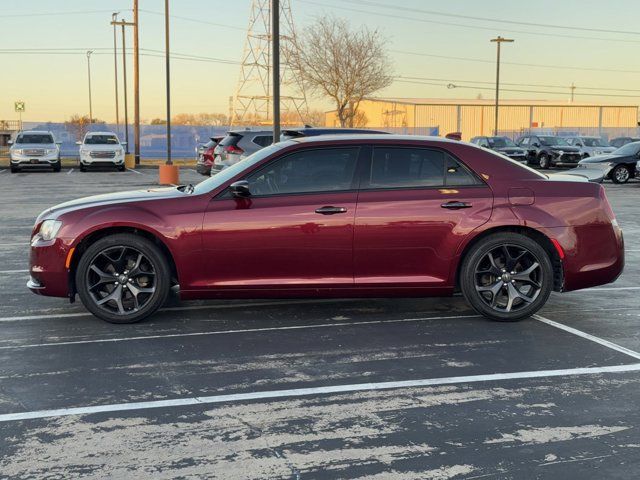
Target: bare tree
[[78, 125], [341, 64]]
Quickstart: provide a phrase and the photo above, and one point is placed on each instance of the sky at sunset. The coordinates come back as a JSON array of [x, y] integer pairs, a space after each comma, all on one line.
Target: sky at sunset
[[432, 50]]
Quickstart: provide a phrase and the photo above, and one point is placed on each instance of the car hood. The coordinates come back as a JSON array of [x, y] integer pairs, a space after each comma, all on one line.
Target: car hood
[[601, 158], [33, 145], [112, 198], [509, 149], [101, 148], [564, 149]]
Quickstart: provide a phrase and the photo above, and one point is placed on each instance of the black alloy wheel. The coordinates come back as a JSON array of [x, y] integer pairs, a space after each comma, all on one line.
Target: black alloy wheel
[[122, 278], [507, 277]]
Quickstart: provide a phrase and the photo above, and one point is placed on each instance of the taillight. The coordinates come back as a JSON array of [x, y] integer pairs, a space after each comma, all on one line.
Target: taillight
[[208, 154], [233, 149]]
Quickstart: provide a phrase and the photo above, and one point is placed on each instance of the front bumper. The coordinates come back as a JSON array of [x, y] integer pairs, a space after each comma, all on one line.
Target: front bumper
[[87, 160], [49, 275], [34, 161], [566, 160]]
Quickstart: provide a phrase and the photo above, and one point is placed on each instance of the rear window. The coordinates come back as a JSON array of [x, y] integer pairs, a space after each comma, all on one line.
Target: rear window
[[230, 140], [34, 138]]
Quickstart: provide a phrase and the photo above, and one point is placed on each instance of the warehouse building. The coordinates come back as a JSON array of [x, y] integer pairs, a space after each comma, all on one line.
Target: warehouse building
[[472, 118]]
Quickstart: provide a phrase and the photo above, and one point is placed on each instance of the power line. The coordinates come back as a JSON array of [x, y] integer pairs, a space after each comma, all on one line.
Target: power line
[[537, 65], [466, 26], [197, 20], [370, 3], [57, 13]]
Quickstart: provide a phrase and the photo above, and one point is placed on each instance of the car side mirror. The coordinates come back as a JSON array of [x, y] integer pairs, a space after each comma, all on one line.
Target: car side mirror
[[78, 142], [123, 143], [10, 142], [240, 189], [58, 143]]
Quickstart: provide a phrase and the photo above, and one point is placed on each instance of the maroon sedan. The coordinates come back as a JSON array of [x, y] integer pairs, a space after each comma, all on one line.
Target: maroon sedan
[[336, 216]]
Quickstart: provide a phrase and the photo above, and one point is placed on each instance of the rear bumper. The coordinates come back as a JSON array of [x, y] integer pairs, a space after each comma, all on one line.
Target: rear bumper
[[49, 275], [594, 254], [203, 169]]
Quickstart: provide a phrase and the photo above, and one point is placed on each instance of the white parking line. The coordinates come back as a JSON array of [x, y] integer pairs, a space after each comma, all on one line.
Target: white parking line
[[180, 309], [608, 289], [134, 171], [302, 392], [229, 332], [8, 272], [69, 172], [24, 244], [588, 336]]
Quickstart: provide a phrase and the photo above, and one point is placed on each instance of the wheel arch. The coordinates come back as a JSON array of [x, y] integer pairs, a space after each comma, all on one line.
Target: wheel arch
[[95, 235], [541, 238]]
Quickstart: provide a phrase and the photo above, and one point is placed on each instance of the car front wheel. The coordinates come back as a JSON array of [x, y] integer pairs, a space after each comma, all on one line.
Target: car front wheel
[[506, 277], [620, 174], [123, 278], [543, 161]]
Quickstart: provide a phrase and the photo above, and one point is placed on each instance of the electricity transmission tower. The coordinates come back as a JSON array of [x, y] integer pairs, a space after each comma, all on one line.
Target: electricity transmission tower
[[253, 98]]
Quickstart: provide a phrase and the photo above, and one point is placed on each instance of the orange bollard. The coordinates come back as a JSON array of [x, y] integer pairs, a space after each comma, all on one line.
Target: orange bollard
[[169, 175]]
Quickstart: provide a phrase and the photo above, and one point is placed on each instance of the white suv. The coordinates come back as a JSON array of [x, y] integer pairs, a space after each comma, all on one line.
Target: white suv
[[101, 149], [34, 149]]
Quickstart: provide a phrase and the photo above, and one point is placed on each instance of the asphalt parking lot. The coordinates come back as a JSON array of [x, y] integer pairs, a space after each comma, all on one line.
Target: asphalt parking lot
[[382, 389]]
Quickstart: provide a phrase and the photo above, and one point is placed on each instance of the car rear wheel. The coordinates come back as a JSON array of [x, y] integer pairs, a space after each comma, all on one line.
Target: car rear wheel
[[543, 161], [14, 169], [123, 278], [57, 166], [507, 277], [620, 174]]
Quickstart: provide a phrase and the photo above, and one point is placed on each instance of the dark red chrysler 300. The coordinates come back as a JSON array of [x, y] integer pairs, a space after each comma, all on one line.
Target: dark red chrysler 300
[[336, 216]]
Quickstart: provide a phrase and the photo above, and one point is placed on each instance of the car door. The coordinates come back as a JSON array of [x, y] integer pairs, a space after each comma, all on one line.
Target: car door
[[415, 207], [295, 230]]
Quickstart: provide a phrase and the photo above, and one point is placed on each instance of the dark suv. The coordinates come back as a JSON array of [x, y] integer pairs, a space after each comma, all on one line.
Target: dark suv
[[547, 151]]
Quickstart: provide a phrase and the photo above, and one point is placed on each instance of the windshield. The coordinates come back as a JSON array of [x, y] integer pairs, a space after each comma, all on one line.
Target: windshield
[[101, 140], [628, 149], [551, 141], [34, 138], [228, 173], [594, 142], [500, 142]]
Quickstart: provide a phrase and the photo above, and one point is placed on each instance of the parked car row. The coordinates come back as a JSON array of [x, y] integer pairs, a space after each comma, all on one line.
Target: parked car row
[[37, 148]]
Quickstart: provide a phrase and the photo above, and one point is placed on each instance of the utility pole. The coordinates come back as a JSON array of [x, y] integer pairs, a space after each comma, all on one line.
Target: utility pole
[[114, 18], [166, 56], [573, 89], [89, 52], [136, 84], [498, 41], [124, 77], [275, 43]]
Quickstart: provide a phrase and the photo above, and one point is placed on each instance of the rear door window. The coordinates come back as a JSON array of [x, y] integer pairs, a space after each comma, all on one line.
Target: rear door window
[[263, 140], [414, 168], [230, 140]]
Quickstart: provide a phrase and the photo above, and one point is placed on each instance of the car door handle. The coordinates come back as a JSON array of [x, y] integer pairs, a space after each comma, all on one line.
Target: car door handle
[[330, 210], [456, 205]]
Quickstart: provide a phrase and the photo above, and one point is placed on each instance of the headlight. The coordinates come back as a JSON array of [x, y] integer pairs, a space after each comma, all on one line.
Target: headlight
[[17, 151], [51, 150], [49, 229]]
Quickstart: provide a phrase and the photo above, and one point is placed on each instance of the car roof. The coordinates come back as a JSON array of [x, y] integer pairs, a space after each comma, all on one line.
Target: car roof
[[330, 130], [247, 131], [99, 133], [373, 137], [38, 132]]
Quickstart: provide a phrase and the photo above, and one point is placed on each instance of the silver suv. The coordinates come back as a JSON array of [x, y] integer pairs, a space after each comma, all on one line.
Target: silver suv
[[590, 146], [238, 145], [34, 149]]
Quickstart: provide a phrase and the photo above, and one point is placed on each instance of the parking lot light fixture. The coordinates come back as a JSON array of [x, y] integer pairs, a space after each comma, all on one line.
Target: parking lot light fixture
[[498, 41]]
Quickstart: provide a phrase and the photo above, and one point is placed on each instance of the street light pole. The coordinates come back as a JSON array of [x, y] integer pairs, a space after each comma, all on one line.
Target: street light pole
[[166, 54], [114, 18], [89, 52], [136, 84], [124, 87], [498, 41], [275, 42]]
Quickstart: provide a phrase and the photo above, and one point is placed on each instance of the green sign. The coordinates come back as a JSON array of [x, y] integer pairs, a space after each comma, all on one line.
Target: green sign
[[20, 107]]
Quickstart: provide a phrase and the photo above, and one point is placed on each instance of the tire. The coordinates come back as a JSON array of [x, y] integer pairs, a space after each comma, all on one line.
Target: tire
[[122, 168], [134, 295], [620, 174], [83, 168], [543, 161], [14, 169], [491, 287], [57, 166]]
